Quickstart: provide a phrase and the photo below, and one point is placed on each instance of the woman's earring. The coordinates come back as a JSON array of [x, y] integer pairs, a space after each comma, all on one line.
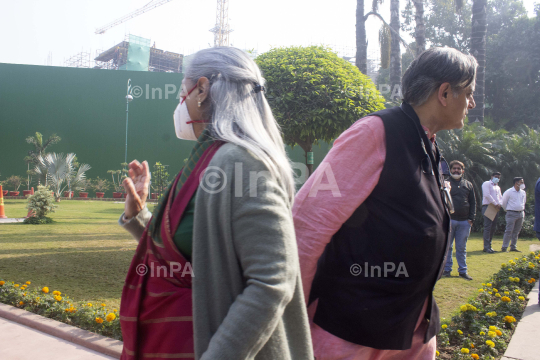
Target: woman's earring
[[199, 104]]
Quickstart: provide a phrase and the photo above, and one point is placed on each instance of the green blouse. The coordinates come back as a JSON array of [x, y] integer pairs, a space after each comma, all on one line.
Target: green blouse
[[183, 238]]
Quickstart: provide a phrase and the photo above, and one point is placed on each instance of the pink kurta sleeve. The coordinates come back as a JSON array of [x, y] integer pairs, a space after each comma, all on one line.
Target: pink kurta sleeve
[[345, 178]]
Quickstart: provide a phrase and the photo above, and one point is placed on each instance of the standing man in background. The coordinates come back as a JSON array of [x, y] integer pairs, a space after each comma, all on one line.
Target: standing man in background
[[462, 193], [491, 194], [513, 202]]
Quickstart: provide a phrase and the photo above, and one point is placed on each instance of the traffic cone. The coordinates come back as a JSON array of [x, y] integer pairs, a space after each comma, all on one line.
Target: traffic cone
[[2, 214]]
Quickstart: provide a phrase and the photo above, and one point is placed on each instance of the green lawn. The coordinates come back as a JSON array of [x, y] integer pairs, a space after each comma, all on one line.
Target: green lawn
[[85, 255]]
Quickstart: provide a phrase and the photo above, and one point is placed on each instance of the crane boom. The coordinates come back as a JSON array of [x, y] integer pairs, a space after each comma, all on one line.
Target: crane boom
[[151, 5]]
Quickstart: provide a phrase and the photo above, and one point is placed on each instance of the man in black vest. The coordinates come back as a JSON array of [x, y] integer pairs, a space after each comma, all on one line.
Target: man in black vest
[[372, 248]]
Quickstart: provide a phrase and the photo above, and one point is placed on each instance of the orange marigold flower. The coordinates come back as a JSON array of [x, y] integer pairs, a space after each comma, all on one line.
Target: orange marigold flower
[[509, 319], [110, 317], [21, 303], [99, 320], [506, 299], [2, 283], [28, 283], [45, 290], [475, 356], [498, 332]]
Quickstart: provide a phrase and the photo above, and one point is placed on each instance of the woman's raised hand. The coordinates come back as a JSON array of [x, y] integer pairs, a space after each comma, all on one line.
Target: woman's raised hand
[[136, 186]]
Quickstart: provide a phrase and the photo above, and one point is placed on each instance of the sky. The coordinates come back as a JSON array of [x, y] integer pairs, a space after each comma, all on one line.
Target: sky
[[33, 31]]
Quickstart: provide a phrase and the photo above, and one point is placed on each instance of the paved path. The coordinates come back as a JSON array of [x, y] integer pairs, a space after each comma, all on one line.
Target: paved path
[[525, 344], [11, 220], [20, 342]]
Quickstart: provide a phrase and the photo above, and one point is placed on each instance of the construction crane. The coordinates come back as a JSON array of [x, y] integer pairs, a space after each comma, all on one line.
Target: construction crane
[[222, 30], [151, 5]]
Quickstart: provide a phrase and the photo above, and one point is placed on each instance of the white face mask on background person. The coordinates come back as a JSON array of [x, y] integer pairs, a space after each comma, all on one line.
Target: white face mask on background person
[[522, 186], [456, 176], [495, 180]]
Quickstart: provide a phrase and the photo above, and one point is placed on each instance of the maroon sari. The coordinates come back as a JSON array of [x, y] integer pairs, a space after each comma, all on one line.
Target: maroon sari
[[156, 308]]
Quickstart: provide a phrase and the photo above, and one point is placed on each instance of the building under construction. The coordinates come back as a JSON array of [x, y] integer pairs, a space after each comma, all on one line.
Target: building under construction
[[135, 53]]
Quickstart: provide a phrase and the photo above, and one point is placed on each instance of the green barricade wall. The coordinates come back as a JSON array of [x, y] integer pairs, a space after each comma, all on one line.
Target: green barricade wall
[[87, 109]]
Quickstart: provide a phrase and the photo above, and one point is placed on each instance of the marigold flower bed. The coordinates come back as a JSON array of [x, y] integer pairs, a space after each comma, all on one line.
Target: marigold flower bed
[[483, 328], [55, 305]]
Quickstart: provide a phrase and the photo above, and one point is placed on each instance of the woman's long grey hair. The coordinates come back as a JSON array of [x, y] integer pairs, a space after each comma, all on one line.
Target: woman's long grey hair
[[240, 115]]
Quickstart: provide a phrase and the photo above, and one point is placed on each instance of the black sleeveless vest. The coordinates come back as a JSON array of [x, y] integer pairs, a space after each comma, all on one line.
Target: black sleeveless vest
[[379, 268]]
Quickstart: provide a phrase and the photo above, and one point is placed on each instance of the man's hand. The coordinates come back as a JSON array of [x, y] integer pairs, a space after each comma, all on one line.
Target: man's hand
[[470, 222], [136, 186]]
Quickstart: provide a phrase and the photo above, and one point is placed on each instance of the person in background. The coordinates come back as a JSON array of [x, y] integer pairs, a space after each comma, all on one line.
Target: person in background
[[513, 202], [388, 209], [491, 194], [462, 192]]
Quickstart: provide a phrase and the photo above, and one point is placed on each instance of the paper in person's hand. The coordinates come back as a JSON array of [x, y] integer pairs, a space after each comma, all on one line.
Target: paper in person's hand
[[491, 212]]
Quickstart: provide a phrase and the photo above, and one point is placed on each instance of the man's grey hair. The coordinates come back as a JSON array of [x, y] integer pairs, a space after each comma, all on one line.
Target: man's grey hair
[[434, 67]]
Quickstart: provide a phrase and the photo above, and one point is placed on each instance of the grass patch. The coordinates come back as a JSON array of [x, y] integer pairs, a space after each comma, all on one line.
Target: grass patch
[[86, 255]]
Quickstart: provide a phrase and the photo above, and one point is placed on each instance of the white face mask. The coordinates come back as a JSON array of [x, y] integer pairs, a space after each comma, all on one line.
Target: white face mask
[[495, 180], [522, 186], [183, 130], [456, 176]]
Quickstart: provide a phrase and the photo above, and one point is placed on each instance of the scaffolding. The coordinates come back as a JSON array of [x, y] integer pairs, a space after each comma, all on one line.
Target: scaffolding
[[160, 61], [80, 60]]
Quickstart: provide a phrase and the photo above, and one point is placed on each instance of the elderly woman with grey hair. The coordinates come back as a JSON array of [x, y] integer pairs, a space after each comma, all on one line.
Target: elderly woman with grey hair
[[370, 257], [216, 272]]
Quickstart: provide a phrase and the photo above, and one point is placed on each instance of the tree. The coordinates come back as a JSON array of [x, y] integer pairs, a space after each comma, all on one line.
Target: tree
[[39, 145], [361, 41], [478, 50], [447, 25], [395, 52], [40, 204], [420, 29], [315, 95], [99, 185], [160, 178], [520, 156], [39, 150], [14, 181], [61, 173], [513, 77], [120, 175]]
